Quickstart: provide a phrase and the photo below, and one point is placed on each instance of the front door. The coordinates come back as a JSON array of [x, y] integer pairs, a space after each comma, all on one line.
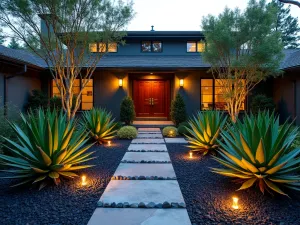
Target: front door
[[151, 98]]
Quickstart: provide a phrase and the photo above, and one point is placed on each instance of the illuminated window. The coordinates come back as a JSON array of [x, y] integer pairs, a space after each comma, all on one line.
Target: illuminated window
[[112, 47], [93, 47], [151, 46], [195, 46], [212, 96], [87, 99], [102, 47]]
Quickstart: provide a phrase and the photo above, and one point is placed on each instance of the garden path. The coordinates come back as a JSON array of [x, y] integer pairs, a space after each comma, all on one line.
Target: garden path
[[144, 189]]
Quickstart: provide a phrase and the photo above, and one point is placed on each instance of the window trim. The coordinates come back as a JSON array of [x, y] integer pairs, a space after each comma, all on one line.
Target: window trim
[[202, 40], [151, 41]]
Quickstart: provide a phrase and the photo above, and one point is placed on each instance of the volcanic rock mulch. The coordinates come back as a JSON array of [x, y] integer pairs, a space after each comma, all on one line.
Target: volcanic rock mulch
[[68, 203], [208, 196]]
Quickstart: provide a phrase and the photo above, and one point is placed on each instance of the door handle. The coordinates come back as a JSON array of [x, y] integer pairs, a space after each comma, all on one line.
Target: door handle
[[152, 101]]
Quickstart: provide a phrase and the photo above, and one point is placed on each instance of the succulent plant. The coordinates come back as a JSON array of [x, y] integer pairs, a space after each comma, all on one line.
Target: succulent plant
[[204, 130], [257, 150], [99, 124], [48, 149]]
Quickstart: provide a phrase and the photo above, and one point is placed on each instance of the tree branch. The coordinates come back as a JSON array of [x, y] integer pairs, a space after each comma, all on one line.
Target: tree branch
[[291, 2]]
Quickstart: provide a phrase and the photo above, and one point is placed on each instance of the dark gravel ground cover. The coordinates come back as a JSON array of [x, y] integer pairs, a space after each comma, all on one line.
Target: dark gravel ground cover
[[208, 196], [68, 203]]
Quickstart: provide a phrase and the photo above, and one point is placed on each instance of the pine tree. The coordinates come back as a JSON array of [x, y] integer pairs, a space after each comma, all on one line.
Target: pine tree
[[287, 25], [14, 44], [2, 39], [178, 111]]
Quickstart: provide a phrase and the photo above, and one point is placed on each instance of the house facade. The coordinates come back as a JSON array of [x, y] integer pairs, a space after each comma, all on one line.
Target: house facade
[[152, 67]]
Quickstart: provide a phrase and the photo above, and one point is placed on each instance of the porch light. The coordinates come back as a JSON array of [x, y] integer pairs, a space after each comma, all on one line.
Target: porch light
[[83, 180], [181, 82], [191, 155], [235, 201], [120, 82]]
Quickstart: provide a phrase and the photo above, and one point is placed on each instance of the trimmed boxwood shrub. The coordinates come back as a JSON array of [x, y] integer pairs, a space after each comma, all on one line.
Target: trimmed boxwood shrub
[[127, 112], [178, 112], [261, 102], [127, 132], [182, 128], [170, 131]]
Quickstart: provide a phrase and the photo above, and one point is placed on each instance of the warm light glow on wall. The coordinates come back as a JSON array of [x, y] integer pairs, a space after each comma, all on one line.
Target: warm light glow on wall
[[181, 82], [120, 82]]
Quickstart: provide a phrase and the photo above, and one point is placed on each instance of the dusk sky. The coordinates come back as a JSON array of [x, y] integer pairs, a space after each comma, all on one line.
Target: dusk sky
[[181, 14]]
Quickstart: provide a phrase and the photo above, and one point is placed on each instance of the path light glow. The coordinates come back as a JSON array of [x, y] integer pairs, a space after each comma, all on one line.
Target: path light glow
[[109, 143], [191, 155], [235, 201], [171, 133], [83, 180]]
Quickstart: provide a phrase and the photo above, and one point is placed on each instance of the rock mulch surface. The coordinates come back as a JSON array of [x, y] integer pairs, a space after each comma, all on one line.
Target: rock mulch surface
[[68, 203], [208, 196]]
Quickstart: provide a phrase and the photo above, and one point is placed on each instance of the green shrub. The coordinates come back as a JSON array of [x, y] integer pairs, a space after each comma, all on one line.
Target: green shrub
[[260, 103], [99, 124], [205, 130], [127, 111], [38, 99], [182, 128], [55, 102], [178, 112], [257, 151], [127, 132], [118, 125], [49, 149], [170, 131]]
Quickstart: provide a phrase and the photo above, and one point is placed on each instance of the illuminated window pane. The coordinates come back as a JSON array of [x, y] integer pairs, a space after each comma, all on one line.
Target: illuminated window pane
[[157, 46], [191, 46], [93, 47], [112, 47], [86, 106], [102, 47], [87, 100], [200, 46], [207, 82], [146, 46], [207, 94], [207, 90]]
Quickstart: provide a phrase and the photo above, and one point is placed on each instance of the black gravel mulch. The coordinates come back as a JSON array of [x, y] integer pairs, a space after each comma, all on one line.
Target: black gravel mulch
[[68, 203], [208, 196]]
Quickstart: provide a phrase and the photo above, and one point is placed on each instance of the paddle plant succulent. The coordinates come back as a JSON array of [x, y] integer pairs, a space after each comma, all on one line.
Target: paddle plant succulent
[[99, 124], [257, 150], [204, 130], [48, 149]]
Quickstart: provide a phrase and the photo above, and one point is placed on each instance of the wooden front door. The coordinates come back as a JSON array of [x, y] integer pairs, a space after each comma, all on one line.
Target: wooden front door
[[151, 98]]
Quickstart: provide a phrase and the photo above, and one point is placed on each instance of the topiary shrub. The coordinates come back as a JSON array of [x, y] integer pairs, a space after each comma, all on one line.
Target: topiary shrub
[[178, 112], [182, 128], [260, 103], [127, 132], [127, 111], [170, 131]]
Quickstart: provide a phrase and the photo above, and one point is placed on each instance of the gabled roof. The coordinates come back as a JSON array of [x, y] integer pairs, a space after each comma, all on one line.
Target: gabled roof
[[291, 59]]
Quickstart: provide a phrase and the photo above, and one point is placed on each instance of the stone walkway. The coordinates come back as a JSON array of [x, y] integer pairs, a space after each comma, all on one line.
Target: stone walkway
[[144, 189]]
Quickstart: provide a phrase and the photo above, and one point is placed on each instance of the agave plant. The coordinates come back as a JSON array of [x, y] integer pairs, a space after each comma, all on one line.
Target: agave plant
[[204, 130], [100, 125], [257, 151], [47, 149]]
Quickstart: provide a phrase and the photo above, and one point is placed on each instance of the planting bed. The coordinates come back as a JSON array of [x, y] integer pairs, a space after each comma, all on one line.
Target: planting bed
[[68, 203], [208, 196]]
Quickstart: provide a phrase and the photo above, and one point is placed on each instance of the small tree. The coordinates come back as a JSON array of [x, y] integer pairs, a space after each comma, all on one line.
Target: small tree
[[243, 49], [178, 112], [127, 111]]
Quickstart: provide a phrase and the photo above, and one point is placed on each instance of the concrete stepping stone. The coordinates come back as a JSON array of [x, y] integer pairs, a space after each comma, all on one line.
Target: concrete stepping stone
[[149, 132], [146, 156], [145, 169], [147, 147], [157, 135], [136, 191], [176, 140], [148, 141], [148, 129], [128, 216]]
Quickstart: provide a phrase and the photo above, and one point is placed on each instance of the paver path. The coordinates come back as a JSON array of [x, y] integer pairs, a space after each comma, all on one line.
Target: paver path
[[144, 189]]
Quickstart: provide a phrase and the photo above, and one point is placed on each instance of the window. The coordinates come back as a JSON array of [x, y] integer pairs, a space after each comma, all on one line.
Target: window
[[195, 46], [87, 101], [102, 47], [151, 46], [212, 96]]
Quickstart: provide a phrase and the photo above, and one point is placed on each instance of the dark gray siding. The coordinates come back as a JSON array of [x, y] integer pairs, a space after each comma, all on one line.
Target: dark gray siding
[[1, 90]]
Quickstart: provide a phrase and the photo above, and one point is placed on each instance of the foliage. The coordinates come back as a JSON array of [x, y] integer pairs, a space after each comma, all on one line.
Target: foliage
[[127, 111], [170, 131], [2, 38], [261, 102], [68, 28], [14, 44], [178, 111], [99, 124], [182, 128], [127, 132], [243, 48], [258, 151], [118, 125], [205, 131], [38, 99], [287, 25], [48, 149]]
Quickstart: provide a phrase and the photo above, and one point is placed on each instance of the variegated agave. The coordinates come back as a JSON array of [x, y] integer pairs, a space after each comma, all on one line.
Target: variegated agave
[[204, 130], [100, 125], [48, 149], [257, 151]]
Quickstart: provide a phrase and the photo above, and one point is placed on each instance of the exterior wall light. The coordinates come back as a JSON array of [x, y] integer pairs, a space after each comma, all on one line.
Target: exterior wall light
[[181, 82], [120, 82]]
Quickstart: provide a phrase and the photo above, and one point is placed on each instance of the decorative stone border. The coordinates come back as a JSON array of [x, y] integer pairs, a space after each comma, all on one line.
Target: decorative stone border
[[144, 161], [141, 178], [146, 151], [163, 205]]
